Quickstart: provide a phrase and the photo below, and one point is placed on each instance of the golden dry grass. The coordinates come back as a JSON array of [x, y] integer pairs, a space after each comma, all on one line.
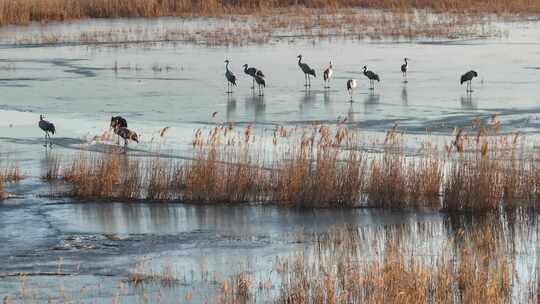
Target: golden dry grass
[[9, 172], [25, 11], [321, 167], [473, 266], [303, 23]]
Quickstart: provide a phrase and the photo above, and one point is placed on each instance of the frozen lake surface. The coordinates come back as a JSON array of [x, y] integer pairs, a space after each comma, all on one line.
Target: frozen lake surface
[[157, 85]]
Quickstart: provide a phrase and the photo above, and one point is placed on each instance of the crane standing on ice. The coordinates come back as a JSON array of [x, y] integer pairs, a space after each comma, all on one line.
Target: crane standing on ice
[[404, 68], [308, 71], [47, 127], [327, 74], [372, 77], [231, 78], [468, 77]]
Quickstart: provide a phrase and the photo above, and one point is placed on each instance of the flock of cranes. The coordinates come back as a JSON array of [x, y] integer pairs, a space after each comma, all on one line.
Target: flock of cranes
[[120, 127], [259, 78], [118, 124]]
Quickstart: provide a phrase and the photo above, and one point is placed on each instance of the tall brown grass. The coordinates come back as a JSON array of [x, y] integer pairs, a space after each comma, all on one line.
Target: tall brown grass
[[25, 11], [9, 172], [321, 167], [473, 266]]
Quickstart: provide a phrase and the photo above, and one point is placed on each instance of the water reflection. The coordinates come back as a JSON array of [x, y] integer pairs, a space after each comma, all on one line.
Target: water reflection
[[157, 218], [307, 101], [404, 96], [257, 106], [231, 108], [328, 102], [372, 98], [468, 102]]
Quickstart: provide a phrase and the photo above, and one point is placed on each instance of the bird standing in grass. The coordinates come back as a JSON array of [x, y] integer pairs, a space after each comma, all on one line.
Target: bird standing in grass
[[231, 78], [126, 134], [253, 72], [47, 127], [404, 68], [468, 77], [306, 70], [372, 77], [327, 74], [351, 85], [118, 121]]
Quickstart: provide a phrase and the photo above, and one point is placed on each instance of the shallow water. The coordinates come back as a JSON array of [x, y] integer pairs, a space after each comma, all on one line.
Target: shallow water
[[78, 88]]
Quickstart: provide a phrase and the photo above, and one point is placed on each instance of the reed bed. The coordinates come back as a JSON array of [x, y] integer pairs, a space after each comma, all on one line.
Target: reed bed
[[471, 266], [477, 259], [25, 11], [9, 172], [286, 24], [478, 170]]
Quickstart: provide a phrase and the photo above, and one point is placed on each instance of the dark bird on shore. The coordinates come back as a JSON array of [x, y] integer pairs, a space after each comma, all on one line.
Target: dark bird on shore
[[126, 134], [118, 121], [404, 68], [253, 72], [468, 77], [327, 75], [372, 77], [351, 85], [261, 83], [306, 70], [231, 78], [47, 127]]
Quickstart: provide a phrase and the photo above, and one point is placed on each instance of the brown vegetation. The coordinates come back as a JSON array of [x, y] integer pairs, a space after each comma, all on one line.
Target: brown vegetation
[[9, 172], [25, 11], [479, 170], [471, 267], [303, 23]]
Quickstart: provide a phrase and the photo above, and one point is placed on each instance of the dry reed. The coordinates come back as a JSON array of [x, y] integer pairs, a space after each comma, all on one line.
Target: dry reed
[[321, 167], [474, 266], [25, 11]]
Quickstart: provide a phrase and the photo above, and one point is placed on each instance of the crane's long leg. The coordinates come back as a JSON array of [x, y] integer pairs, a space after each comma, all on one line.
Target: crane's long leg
[[45, 145], [305, 79], [309, 81], [253, 86]]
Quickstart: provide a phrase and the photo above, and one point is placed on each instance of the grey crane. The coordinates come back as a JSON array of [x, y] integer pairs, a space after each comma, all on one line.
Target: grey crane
[[372, 77], [306, 70], [231, 78], [47, 127], [261, 83], [404, 68], [253, 72], [351, 85], [126, 134], [468, 77], [327, 74], [118, 121]]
